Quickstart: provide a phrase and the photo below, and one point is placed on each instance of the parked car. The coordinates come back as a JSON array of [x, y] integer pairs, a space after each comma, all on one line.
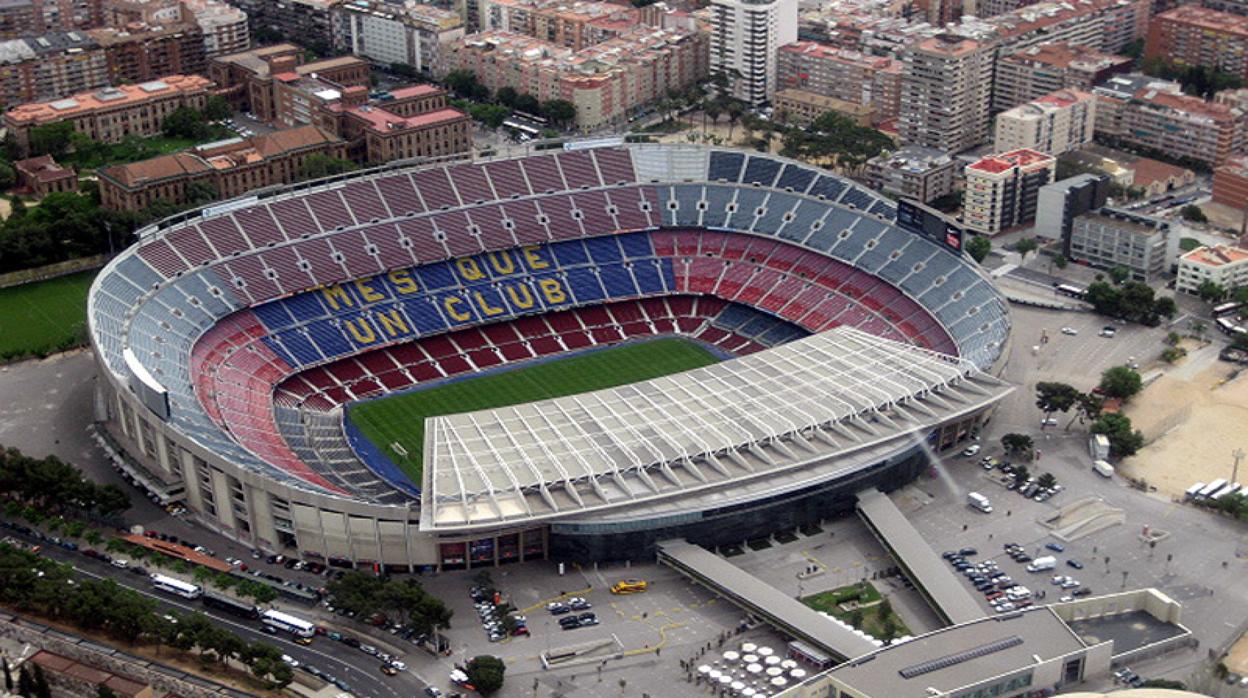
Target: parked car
[[1055, 547], [1075, 564]]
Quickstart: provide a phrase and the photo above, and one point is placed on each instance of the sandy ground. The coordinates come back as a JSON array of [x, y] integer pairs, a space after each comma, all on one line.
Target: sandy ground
[[1237, 658], [1191, 420]]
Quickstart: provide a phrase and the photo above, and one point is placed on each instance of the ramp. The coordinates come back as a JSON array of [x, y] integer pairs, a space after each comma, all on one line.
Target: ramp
[[762, 600], [935, 580]]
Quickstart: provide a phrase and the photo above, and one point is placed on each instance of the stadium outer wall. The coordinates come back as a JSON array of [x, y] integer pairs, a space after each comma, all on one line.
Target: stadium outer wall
[[247, 506]]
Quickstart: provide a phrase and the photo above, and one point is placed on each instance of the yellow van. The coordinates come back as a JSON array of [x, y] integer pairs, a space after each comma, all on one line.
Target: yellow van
[[629, 586]]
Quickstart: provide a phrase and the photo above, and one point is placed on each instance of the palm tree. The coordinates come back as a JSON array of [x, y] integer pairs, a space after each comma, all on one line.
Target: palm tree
[[735, 110], [710, 108]]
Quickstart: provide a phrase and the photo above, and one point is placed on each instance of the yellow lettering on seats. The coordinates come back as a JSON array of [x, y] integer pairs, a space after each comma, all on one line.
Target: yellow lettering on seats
[[502, 262], [552, 290], [367, 292], [515, 291], [484, 305], [533, 258], [361, 330], [469, 269], [335, 293], [449, 305], [403, 282], [392, 322]]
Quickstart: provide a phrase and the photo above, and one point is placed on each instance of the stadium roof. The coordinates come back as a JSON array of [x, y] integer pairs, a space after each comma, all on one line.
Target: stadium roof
[[791, 406]]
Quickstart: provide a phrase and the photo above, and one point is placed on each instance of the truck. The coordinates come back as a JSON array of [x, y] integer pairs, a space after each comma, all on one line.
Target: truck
[[1098, 447], [979, 502], [1041, 564], [1102, 468]]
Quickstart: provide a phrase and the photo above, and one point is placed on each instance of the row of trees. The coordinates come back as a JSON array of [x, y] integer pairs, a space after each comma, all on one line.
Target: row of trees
[[404, 601], [1119, 382], [57, 487], [837, 138], [34, 584], [492, 109], [1200, 80], [1133, 301]]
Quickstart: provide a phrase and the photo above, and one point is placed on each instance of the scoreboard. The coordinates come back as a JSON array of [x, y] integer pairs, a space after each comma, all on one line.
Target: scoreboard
[[931, 224]]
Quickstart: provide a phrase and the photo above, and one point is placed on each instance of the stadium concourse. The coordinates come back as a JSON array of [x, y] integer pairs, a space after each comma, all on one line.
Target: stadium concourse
[[233, 341]]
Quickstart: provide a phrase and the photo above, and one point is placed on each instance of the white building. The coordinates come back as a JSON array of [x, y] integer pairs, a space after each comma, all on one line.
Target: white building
[[1224, 265], [1109, 238], [410, 34], [225, 27], [1002, 190], [745, 38], [1055, 123]]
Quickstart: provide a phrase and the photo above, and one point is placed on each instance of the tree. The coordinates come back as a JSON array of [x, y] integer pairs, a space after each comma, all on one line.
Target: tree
[[528, 104], [1025, 246], [978, 247], [855, 617], [1172, 354], [735, 108], [105, 692], [560, 111], [506, 96], [1060, 261], [1019, 445], [42, 688], [1055, 397], [1210, 291], [1123, 441], [319, 165], [1119, 274], [51, 139], [8, 177], [17, 207], [486, 673], [25, 684], [8, 674], [1046, 481], [1192, 213], [462, 82], [217, 108], [1020, 474], [1120, 382], [185, 122], [1164, 683]]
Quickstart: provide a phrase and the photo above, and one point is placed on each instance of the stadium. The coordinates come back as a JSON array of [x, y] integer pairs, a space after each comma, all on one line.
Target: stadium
[[570, 355]]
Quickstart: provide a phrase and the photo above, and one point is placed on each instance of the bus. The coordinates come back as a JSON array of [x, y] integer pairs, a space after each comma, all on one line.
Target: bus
[[231, 606], [1229, 328], [176, 587], [291, 624], [1226, 308], [1211, 488], [1194, 490], [1070, 290], [629, 586], [1229, 488]]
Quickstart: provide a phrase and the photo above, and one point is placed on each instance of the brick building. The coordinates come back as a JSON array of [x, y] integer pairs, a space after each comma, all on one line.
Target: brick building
[[1045, 68], [139, 52], [1230, 182], [231, 168], [570, 25], [20, 18], [1192, 35], [49, 66], [68, 677], [1002, 190], [1176, 124], [42, 175], [111, 114], [308, 22], [247, 79], [850, 76]]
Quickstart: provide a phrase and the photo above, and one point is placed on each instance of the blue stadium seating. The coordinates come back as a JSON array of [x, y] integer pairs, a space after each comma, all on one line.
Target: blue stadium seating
[[795, 178], [725, 166], [761, 170], [828, 187]]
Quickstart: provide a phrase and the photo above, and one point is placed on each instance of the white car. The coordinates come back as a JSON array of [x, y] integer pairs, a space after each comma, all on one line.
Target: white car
[[401, 666], [971, 450], [1070, 331], [120, 563], [1048, 422], [290, 661], [170, 619]]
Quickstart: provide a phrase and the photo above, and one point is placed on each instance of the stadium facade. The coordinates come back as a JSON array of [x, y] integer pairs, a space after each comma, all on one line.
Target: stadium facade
[[232, 339]]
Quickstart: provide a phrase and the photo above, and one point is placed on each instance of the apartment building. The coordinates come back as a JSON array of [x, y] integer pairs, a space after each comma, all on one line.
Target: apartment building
[[1100, 25], [410, 33], [913, 172], [49, 66], [1113, 96], [1182, 126], [1230, 182], [1192, 35], [799, 107], [1058, 203], [139, 53], [946, 88], [1046, 68], [1225, 265], [746, 36], [1055, 123], [850, 76], [573, 25], [1002, 190], [22, 18], [232, 168], [111, 114], [1108, 238], [226, 28], [308, 22], [607, 82]]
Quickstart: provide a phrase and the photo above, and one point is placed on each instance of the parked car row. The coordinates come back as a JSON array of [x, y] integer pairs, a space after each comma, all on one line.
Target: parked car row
[[998, 588], [1029, 488], [495, 620]]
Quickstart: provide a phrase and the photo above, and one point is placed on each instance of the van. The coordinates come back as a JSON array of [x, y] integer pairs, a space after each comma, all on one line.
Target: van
[[1041, 564], [979, 501], [1103, 469], [629, 586], [1194, 490]]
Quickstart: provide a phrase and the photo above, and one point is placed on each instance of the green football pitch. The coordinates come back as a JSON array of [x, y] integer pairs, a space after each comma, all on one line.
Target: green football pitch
[[401, 419], [44, 317]]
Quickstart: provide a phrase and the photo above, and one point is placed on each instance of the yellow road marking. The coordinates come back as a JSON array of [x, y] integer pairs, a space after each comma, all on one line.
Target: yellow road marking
[[561, 597]]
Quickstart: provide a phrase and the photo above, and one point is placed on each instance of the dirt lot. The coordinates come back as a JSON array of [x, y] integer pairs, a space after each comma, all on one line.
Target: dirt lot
[[1192, 422], [1237, 658]]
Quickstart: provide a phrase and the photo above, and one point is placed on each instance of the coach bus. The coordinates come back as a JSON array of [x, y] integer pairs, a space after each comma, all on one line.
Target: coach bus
[[291, 624], [177, 587], [1071, 290], [1229, 328], [1211, 488], [1226, 308], [231, 606]]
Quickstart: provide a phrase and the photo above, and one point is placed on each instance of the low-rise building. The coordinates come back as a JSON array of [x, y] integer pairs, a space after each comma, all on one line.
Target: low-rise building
[[850, 76], [411, 33], [1225, 265], [913, 172], [1108, 238], [1230, 182], [1055, 123], [1001, 190], [111, 114], [230, 168], [40, 176], [607, 82], [1046, 68], [49, 66], [801, 107], [68, 677], [138, 53], [1058, 203]]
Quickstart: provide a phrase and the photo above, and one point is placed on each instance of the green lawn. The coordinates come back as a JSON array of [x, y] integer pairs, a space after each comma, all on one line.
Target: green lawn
[[872, 621], [44, 317], [401, 418]]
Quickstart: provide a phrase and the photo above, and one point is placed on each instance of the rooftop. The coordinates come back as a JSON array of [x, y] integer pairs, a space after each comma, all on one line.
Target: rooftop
[[1216, 256], [949, 45], [1032, 19], [813, 49], [1023, 157], [1235, 165], [57, 664], [914, 158], [1187, 104], [1206, 19], [415, 91], [1145, 226], [44, 168], [107, 98], [379, 119], [967, 654], [1123, 87], [1063, 98], [1064, 55]]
